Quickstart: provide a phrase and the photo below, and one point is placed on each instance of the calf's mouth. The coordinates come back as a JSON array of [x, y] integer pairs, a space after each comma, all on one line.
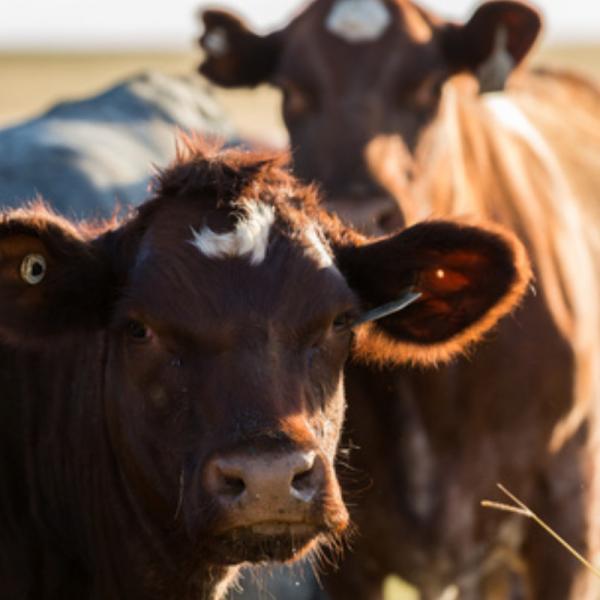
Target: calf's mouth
[[266, 541]]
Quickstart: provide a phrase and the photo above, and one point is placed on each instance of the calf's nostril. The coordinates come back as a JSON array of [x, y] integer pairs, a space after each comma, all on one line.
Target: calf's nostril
[[307, 480], [226, 479], [232, 486], [303, 481]]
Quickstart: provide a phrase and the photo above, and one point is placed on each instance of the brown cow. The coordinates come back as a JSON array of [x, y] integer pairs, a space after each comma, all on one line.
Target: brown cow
[[384, 100], [172, 389]]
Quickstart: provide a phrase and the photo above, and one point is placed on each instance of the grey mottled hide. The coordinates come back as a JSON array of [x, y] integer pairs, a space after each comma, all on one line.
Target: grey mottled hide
[[83, 156]]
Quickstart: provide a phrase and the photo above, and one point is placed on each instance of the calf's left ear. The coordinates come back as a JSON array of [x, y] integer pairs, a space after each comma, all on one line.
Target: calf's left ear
[[493, 42], [51, 280], [468, 278]]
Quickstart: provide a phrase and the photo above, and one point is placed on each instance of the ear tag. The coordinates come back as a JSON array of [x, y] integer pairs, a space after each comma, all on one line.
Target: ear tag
[[408, 298], [494, 72], [33, 269]]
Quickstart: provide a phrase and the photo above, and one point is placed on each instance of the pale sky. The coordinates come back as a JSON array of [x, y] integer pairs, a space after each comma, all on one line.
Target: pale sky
[[171, 24]]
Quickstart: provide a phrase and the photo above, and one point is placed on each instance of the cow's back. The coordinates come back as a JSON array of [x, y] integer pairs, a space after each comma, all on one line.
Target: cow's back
[[83, 156]]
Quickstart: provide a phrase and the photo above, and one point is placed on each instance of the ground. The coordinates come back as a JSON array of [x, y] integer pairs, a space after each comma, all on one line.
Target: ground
[[33, 82]]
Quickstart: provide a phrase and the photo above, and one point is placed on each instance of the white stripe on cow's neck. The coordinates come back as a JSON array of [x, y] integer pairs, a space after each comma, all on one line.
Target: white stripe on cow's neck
[[358, 20], [316, 249], [249, 237], [510, 115]]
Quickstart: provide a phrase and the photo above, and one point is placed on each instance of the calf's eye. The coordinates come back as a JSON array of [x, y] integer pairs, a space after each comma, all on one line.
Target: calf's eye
[[33, 269], [137, 331]]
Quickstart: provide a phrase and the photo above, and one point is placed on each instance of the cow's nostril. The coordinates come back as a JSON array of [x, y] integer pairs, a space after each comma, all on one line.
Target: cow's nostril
[[391, 220]]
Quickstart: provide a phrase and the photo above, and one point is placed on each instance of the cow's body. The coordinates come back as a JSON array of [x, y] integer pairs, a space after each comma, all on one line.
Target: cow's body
[[172, 391], [385, 113], [85, 156], [511, 413]]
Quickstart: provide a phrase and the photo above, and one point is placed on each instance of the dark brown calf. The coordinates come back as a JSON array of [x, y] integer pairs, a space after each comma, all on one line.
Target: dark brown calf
[[172, 390], [401, 115]]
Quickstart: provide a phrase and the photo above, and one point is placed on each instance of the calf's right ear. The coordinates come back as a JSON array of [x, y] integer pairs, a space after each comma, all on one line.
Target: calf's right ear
[[52, 281], [467, 277], [235, 56]]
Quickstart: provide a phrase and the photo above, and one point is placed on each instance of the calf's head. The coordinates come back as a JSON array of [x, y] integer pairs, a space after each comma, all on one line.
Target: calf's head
[[357, 71], [225, 309]]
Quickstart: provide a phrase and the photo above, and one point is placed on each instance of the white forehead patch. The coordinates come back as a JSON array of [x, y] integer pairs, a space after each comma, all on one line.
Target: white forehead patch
[[250, 236], [317, 249], [215, 42], [358, 20]]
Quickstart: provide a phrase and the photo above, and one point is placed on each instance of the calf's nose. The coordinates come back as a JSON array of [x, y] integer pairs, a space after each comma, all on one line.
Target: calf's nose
[[266, 487], [238, 478]]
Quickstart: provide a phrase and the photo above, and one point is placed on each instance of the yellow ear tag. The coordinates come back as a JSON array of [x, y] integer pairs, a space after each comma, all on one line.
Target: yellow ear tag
[[33, 269]]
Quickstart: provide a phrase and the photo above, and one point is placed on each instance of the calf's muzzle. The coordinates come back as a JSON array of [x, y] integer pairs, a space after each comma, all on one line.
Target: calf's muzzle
[[270, 492]]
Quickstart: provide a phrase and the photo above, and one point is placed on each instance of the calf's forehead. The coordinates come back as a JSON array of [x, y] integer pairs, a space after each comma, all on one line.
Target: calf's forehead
[[235, 266]]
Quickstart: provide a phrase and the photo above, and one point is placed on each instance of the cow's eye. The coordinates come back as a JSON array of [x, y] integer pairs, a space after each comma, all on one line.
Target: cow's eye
[[138, 331], [33, 269], [297, 101]]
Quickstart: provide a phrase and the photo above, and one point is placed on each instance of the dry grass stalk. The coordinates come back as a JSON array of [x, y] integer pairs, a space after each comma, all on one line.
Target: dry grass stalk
[[521, 508]]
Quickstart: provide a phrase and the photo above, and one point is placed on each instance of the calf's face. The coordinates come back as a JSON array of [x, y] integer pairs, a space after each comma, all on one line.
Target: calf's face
[[229, 304], [231, 364], [362, 81]]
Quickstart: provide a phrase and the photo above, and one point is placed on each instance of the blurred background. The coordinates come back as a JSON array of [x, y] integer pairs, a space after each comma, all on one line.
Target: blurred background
[[53, 50]]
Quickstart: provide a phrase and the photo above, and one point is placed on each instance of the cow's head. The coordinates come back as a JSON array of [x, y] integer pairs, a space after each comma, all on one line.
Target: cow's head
[[227, 307], [355, 71]]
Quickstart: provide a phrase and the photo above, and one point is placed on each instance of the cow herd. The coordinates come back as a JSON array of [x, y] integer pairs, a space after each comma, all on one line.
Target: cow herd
[[331, 355]]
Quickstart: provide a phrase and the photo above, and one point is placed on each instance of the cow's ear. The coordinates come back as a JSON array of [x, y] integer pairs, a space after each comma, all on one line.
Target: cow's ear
[[468, 278], [52, 280], [235, 56], [493, 42]]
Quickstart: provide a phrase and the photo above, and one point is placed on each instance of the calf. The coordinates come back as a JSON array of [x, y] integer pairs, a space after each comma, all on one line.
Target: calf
[[172, 390]]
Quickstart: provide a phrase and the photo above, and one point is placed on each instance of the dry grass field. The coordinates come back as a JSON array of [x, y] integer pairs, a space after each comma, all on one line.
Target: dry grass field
[[30, 83]]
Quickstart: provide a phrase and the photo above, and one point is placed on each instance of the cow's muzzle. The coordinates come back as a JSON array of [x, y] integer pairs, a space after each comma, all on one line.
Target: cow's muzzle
[[369, 215]]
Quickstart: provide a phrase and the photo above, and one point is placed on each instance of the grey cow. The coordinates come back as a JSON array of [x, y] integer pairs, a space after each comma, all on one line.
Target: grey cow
[[82, 156]]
